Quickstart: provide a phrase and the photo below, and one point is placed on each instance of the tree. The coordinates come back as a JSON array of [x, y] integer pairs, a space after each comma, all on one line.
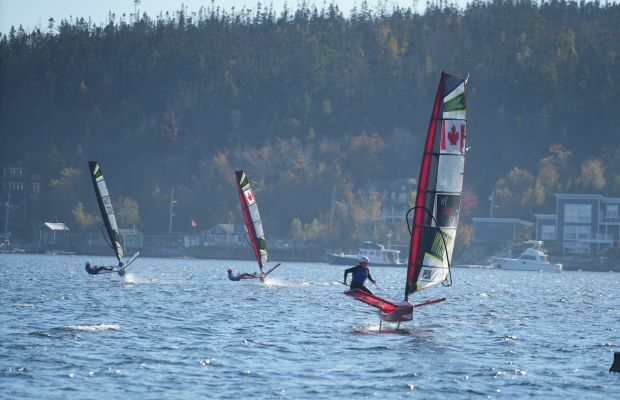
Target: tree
[[82, 218], [128, 212], [592, 177], [514, 194]]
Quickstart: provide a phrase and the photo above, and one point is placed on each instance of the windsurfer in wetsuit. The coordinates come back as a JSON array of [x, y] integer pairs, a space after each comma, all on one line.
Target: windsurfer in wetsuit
[[359, 275], [94, 270], [238, 277]]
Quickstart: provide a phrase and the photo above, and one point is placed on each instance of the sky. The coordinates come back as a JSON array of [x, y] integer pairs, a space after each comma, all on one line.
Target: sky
[[32, 14]]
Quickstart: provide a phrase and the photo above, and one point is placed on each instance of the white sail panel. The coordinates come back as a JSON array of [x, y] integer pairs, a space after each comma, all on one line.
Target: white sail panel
[[435, 265], [450, 174]]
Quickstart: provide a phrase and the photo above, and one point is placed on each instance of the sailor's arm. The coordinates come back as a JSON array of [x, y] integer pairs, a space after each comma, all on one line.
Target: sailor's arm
[[347, 272]]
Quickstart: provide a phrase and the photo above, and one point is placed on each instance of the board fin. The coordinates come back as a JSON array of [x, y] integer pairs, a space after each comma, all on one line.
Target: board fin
[[273, 268], [132, 259], [431, 301]]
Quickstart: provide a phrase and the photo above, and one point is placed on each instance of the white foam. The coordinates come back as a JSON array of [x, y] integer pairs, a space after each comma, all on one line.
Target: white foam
[[92, 328], [135, 278]]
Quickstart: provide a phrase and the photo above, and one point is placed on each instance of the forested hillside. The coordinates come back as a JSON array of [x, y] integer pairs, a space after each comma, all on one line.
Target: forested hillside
[[313, 105]]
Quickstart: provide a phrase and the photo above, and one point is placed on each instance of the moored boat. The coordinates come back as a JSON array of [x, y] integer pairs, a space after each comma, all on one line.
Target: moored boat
[[378, 255], [532, 259]]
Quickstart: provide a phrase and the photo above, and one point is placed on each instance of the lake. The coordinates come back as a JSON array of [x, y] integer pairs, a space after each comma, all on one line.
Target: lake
[[180, 329]]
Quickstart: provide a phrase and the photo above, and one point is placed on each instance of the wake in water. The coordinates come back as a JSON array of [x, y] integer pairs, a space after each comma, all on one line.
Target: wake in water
[[269, 281], [135, 278], [386, 329], [91, 328]]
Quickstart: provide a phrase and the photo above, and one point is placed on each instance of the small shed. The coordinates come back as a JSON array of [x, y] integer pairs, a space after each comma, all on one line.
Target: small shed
[[53, 233]]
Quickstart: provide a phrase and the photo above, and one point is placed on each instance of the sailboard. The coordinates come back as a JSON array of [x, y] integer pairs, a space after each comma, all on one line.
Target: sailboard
[[437, 204], [112, 231], [253, 222]]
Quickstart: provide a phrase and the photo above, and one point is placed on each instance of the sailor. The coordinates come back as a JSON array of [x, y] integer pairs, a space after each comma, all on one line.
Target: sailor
[[238, 277], [359, 275], [94, 270]]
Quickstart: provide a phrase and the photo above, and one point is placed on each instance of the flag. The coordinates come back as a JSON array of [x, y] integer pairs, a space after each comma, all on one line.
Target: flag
[[194, 224], [249, 196], [452, 137]]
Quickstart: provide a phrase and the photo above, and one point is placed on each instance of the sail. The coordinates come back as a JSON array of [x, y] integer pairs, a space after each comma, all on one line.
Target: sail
[[107, 212], [252, 218], [439, 188]]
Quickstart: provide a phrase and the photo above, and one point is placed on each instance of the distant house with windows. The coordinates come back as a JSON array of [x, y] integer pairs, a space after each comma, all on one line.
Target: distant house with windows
[[19, 182], [225, 235], [18, 185], [582, 223], [396, 197]]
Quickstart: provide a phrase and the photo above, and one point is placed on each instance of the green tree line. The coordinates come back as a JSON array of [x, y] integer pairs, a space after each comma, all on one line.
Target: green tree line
[[313, 105]]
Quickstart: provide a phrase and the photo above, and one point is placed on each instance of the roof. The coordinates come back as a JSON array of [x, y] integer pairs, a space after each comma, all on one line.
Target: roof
[[580, 196], [56, 226], [228, 228], [130, 231], [546, 216], [502, 220]]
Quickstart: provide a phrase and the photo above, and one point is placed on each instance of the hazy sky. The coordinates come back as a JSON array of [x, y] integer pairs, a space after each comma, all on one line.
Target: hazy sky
[[35, 13]]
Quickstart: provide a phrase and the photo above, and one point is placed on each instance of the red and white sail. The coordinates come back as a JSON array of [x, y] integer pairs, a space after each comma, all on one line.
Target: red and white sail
[[439, 187], [252, 218]]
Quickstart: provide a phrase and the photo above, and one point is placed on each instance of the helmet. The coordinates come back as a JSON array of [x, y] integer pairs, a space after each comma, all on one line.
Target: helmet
[[230, 270], [363, 259]]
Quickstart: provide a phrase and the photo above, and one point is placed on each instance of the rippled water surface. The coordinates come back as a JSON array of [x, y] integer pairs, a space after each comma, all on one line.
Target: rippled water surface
[[180, 329]]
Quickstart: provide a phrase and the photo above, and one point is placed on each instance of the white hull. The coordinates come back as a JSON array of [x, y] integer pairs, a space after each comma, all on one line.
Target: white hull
[[512, 264]]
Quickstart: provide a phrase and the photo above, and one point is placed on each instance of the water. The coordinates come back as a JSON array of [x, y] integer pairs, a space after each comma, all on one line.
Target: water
[[180, 329]]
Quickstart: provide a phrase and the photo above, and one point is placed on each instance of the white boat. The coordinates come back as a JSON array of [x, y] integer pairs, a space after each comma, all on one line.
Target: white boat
[[378, 255], [532, 259]]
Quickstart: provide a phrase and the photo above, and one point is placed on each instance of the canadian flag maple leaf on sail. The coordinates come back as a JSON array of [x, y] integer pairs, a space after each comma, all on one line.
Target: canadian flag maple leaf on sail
[[249, 197], [453, 136]]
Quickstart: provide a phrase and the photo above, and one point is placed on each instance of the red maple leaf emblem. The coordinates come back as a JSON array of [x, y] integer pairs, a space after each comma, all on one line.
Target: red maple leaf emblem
[[250, 197], [453, 136]]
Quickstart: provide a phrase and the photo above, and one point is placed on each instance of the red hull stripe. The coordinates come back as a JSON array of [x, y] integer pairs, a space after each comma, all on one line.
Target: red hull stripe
[[384, 305]]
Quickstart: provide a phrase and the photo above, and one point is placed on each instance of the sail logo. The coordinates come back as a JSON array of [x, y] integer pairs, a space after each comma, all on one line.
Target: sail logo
[[453, 134], [249, 197], [447, 210]]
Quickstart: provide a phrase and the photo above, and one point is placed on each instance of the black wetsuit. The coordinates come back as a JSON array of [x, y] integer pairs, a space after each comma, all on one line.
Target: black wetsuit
[[359, 276], [238, 277], [94, 270]]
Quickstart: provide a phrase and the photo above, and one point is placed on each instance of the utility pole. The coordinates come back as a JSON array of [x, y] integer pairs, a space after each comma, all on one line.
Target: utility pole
[[172, 201], [6, 219]]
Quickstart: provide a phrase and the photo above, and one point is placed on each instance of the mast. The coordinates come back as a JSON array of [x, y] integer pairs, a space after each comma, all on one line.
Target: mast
[[6, 219], [440, 186]]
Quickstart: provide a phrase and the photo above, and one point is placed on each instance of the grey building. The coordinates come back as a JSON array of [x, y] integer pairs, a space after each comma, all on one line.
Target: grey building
[[582, 223], [501, 230]]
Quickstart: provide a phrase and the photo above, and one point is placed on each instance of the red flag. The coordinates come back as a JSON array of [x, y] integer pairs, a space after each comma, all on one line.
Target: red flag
[[194, 224]]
